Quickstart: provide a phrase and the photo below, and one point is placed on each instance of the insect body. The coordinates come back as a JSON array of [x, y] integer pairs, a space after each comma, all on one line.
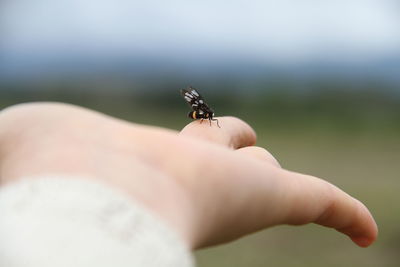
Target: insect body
[[200, 110]]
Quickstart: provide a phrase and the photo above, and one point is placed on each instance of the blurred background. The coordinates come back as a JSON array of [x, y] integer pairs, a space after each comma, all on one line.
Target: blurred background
[[318, 80]]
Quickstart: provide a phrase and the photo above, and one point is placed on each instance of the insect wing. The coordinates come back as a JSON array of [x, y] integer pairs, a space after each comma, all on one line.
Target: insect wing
[[193, 98]]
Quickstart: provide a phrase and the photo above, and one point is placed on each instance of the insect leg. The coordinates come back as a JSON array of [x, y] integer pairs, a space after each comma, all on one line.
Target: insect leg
[[215, 120]]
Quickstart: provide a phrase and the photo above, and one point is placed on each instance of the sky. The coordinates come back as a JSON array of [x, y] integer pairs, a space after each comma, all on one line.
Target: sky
[[265, 31]]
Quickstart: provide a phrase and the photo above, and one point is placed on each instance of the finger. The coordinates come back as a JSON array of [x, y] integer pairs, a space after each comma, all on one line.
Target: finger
[[259, 153], [233, 133], [315, 200], [258, 195]]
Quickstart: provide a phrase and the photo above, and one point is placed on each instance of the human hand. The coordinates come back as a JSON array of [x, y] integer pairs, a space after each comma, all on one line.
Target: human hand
[[210, 184]]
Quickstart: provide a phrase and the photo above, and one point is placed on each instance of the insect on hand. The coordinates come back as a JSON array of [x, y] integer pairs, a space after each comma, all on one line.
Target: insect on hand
[[200, 110]]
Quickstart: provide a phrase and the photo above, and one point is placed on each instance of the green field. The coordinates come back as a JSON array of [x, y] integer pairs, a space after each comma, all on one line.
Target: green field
[[354, 144]]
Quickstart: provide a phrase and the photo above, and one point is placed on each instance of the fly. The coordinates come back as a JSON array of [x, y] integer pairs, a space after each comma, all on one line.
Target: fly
[[200, 110]]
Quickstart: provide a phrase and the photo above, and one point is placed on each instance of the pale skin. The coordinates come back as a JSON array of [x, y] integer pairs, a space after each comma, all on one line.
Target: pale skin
[[211, 185]]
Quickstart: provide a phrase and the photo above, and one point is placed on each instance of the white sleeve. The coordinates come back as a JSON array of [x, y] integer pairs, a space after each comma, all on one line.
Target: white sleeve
[[65, 221]]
